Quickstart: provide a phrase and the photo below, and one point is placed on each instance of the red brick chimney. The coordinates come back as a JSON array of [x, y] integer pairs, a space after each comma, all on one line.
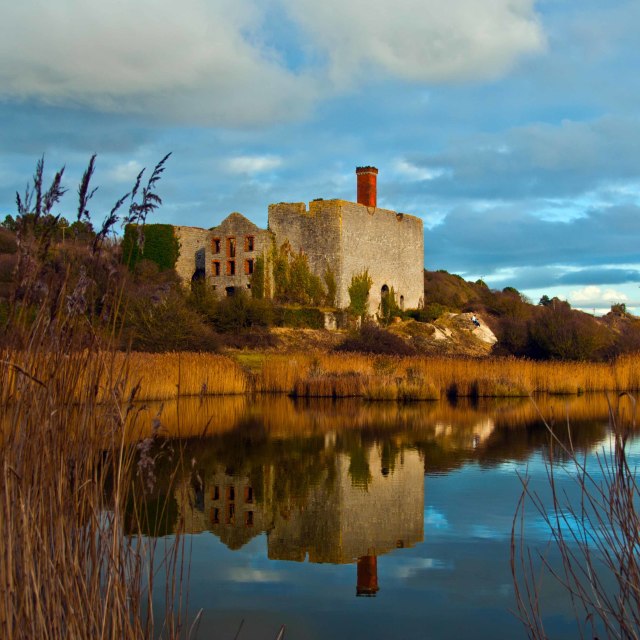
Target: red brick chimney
[[367, 186]]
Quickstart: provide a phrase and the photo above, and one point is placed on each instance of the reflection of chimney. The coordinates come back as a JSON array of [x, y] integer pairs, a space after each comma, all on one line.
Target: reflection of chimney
[[367, 576], [367, 186]]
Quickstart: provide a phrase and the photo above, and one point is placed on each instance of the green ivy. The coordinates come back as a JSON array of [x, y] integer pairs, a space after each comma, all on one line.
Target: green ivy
[[258, 279], [293, 280], [160, 245]]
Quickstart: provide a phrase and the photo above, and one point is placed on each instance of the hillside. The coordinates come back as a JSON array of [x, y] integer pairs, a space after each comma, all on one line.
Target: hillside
[[548, 329]]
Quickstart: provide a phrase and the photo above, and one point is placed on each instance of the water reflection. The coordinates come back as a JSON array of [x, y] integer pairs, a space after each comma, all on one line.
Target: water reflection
[[358, 507], [338, 481], [299, 506]]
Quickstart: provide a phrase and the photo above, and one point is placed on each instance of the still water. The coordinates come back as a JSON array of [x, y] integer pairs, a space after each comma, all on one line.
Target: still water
[[347, 519]]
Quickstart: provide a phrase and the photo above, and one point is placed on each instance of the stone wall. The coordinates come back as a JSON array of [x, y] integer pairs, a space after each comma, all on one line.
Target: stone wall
[[316, 232], [193, 241], [350, 237], [390, 246], [229, 246]]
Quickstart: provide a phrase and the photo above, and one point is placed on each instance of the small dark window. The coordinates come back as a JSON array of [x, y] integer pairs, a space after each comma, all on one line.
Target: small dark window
[[248, 243], [215, 245], [216, 515], [216, 268], [248, 518], [248, 267], [216, 493], [231, 513], [231, 268], [230, 291], [248, 494], [231, 493], [231, 247]]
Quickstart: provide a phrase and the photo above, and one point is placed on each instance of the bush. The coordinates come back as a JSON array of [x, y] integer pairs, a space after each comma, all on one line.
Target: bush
[[299, 317], [8, 242], [372, 339], [359, 294], [167, 325], [239, 311]]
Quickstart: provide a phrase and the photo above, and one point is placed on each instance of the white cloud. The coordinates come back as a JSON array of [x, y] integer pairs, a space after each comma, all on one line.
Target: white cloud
[[193, 60], [593, 296], [253, 164], [125, 171], [412, 172], [421, 40], [246, 574], [224, 62]]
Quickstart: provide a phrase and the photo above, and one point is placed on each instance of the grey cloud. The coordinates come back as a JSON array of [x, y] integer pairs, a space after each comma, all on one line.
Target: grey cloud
[[537, 160], [474, 240]]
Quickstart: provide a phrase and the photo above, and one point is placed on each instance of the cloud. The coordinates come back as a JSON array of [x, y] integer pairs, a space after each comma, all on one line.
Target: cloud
[[125, 171], [538, 160], [199, 61], [253, 164], [230, 62], [420, 40], [594, 296]]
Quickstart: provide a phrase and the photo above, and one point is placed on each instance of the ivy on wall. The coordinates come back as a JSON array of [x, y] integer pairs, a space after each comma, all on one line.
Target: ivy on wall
[[155, 242], [293, 280], [258, 279]]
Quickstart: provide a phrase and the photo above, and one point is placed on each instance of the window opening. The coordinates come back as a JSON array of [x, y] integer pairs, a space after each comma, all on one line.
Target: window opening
[[231, 247], [215, 245], [216, 268], [248, 267], [216, 515], [231, 268], [248, 494], [248, 518], [248, 243]]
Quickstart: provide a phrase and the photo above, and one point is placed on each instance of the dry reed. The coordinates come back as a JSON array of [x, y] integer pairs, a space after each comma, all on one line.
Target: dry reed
[[69, 480]]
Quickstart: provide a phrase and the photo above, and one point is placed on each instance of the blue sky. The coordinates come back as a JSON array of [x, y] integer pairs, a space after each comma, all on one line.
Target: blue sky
[[510, 126]]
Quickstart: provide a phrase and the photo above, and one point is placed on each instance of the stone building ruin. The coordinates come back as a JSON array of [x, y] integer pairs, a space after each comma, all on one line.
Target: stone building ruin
[[343, 237]]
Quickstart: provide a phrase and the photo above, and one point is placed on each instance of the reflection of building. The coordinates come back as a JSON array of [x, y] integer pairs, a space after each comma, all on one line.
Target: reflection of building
[[223, 504], [343, 522], [341, 519]]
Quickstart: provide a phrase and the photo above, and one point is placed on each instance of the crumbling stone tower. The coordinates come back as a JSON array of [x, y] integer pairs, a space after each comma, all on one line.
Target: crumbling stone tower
[[349, 237]]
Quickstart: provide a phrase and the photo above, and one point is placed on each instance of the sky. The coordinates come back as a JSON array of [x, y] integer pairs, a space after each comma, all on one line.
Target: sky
[[511, 127]]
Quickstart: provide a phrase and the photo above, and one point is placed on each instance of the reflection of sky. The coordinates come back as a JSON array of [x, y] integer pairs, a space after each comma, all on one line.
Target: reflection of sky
[[457, 583]]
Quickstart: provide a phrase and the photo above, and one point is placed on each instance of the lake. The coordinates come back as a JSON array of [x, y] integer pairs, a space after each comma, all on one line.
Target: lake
[[348, 519]]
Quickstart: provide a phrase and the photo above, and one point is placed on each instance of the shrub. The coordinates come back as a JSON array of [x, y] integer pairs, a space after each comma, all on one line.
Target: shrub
[[299, 317], [372, 339], [167, 324], [332, 288], [359, 293], [293, 280]]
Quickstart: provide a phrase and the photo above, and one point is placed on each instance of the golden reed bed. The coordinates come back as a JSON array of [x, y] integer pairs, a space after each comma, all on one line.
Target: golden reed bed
[[170, 375]]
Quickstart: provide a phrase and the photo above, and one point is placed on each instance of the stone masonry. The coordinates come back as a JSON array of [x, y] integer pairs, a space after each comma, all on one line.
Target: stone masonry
[[343, 237]]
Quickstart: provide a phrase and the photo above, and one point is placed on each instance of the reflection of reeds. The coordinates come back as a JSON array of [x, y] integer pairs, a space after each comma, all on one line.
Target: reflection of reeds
[[286, 417], [590, 510]]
